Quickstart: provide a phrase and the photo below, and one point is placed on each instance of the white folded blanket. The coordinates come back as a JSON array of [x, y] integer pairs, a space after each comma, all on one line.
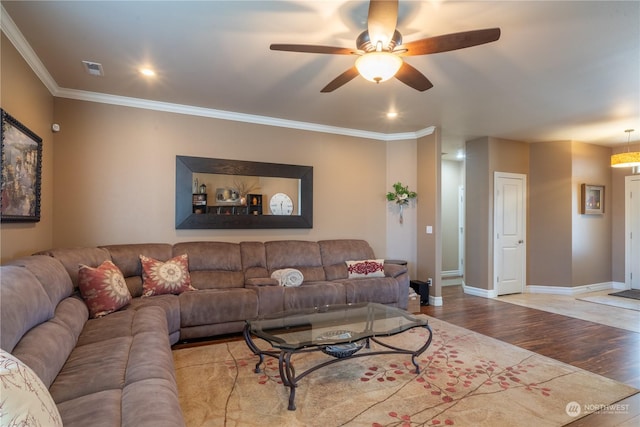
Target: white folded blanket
[[288, 277]]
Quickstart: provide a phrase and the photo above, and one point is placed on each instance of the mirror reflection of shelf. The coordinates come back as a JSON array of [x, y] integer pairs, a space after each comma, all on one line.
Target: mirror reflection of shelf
[[199, 203], [253, 207], [255, 204], [227, 210]]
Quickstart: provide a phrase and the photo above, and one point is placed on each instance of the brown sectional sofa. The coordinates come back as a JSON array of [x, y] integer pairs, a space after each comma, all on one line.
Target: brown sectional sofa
[[118, 369]]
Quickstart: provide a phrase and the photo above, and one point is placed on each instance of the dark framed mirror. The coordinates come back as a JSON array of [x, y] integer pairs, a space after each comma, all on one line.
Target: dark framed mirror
[[237, 194]]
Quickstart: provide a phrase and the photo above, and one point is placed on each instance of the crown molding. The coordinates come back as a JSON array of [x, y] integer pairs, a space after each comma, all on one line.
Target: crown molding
[[17, 39], [233, 116]]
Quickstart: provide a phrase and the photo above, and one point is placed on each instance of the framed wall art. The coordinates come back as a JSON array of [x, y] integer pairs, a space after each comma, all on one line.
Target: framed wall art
[[592, 200], [21, 172]]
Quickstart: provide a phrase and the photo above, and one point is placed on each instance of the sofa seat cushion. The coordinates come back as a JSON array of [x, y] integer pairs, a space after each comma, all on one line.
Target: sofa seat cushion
[[383, 290], [151, 403], [92, 368], [210, 306], [100, 409], [115, 325], [111, 353], [169, 304], [147, 403], [217, 279], [314, 294]]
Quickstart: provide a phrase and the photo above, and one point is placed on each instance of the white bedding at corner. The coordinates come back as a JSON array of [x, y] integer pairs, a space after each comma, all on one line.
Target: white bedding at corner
[[288, 277]]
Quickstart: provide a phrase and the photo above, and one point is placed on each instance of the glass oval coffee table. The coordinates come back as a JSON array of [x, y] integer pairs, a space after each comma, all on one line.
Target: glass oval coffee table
[[341, 331]]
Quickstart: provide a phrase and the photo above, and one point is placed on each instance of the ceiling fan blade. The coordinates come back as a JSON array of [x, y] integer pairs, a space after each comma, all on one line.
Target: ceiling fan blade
[[309, 48], [342, 79], [413, 78], [382, 21], [449, 42]]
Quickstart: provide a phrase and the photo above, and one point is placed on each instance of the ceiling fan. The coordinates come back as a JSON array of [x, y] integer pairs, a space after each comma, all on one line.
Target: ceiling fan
[[380, 49]]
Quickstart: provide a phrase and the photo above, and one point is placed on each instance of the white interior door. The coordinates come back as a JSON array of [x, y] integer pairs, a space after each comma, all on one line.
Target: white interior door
[[632, 231], [509, 250]]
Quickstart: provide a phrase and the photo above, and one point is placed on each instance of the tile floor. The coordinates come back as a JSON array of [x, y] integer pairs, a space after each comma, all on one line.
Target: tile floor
[[593, 306]]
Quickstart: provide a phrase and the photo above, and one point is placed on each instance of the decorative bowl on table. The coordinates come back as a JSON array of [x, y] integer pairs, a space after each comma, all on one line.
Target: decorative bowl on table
[[340, 350]]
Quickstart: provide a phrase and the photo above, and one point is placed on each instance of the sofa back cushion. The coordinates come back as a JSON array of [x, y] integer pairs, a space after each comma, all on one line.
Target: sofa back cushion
[[51, 274], [335, 253], [127, 259], [71, 258], [213, 265], [298, 254], [24, 304], [254, 260]]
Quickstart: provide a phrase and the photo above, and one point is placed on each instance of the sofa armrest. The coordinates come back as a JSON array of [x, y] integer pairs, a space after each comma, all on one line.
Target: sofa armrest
[[261, 281], [394, 270]]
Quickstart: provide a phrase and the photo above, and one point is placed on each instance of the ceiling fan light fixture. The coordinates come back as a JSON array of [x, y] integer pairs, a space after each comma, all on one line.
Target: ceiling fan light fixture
[[378, 66], [627, 159]]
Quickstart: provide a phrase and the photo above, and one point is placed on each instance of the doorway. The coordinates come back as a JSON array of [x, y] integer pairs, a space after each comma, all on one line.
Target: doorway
[[452, 212], [509, 223]]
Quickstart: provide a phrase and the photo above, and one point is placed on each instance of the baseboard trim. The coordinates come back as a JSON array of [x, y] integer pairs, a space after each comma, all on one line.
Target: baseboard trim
[[573, 290], [555, 290], [479, 292], [450, 273], [435, 301]]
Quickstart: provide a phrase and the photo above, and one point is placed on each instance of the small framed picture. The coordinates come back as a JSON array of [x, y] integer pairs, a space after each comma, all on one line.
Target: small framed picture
[[592, 200], [21, 172]]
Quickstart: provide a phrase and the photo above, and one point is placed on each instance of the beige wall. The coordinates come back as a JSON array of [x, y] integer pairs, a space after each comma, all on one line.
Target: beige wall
[[591, 238], [401, 167], [550, 216], [24, 97], [429, 248], [477, 186], [452, 178], [115, 171], [567, 248]]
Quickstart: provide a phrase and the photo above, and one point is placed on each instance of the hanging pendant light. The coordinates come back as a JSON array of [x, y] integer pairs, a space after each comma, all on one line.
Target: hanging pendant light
[[627, 159]]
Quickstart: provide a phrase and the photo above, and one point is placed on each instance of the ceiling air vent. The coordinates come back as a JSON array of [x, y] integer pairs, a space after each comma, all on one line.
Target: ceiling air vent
[[93, 68]]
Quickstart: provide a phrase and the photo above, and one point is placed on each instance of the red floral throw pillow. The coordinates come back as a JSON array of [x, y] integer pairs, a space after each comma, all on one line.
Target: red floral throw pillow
[[365, 268], [103, 289], [170, 277]]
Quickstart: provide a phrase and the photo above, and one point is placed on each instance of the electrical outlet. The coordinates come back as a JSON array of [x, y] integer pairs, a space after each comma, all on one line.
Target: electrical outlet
[[429, 281]]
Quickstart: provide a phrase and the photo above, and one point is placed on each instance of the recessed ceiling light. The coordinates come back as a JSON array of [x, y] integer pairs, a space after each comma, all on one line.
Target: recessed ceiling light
[[392, 115], [147, 72]]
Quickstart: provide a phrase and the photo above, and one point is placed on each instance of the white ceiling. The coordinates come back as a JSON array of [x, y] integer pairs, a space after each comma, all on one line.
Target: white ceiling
[[561, 70]]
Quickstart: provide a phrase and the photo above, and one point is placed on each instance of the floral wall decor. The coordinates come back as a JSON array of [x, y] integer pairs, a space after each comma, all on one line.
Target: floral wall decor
[[401, 196]]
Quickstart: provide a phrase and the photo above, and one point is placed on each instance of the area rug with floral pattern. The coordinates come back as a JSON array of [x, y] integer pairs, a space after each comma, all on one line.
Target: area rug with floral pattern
[[465, 379]]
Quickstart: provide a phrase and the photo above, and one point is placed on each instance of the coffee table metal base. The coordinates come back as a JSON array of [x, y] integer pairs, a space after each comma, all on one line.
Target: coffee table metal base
[[288, 372]]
